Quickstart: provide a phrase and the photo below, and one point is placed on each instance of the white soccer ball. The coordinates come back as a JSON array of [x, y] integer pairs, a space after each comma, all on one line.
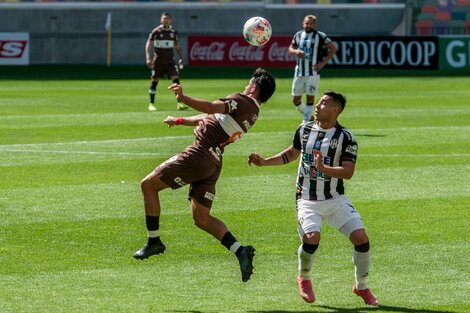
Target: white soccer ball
[[257, 31]]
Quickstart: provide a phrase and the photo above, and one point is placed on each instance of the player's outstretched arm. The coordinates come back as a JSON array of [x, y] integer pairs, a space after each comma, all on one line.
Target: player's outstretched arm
[[187, 121], [200, 105], [288, 155]]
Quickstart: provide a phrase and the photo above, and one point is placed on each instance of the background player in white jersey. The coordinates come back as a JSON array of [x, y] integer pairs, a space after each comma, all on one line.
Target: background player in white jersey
[[200, 164], [328, 155], [308, 45], [163, 39]]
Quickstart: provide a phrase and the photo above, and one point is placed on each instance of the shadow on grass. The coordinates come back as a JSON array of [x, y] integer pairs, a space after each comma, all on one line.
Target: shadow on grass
[[330, 309], [369, 135], [382, 308]]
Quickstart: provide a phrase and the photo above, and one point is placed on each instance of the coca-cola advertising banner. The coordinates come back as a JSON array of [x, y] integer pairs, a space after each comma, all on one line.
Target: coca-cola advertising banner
[[235, 51], [369, 52]]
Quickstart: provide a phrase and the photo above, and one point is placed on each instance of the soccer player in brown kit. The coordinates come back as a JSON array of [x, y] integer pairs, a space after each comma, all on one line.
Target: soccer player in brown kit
[[163, 38], [328, 155], [199, 165]]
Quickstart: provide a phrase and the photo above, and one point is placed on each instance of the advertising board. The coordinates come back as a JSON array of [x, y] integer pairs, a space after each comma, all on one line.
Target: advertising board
[[14, 48]]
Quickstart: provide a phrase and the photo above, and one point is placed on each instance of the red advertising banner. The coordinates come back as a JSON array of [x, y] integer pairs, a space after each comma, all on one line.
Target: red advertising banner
[[235, 51]]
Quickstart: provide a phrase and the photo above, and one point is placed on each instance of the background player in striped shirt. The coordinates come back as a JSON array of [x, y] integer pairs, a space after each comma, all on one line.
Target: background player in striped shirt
[[164, 39], [328, 155], [308, 45], [200, 164]]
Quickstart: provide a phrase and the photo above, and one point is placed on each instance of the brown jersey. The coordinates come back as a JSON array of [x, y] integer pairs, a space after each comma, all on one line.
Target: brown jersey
[[164, 41], [218, 130]]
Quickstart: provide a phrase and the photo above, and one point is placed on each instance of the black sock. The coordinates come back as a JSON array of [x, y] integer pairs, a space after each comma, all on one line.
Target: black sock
[[152, 90], [153, 224], [228, 240]]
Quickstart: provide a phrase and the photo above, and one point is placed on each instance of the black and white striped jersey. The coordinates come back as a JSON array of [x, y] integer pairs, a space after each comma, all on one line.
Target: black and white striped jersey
[[313, 45], [337, 144]]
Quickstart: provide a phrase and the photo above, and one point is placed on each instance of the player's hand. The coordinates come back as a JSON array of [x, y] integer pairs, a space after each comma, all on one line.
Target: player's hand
[[318, 159], [180, 64], [149, 62], [170, 121], [318, 67], [178, 91], [300, 54], [255, 159]]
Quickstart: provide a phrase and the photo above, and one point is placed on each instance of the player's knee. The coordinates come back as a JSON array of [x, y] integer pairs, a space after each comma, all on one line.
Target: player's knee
[[145, 184], [312, 238], [364, 247], [359, 237]]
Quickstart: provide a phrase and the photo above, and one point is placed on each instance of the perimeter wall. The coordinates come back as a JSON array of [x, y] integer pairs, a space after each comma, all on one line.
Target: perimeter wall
[[74, 33]]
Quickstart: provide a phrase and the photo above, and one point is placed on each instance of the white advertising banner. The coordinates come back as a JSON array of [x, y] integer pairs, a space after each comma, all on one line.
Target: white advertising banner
[[14, 48]]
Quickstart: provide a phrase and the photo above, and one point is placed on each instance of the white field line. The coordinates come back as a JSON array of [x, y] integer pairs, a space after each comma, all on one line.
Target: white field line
[[289, 134], [29, 148], [83, 152], [379, 155]]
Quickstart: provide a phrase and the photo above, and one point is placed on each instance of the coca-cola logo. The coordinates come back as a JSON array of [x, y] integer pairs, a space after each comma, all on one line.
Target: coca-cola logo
[[278, 53], [239, 52], [212, 52]]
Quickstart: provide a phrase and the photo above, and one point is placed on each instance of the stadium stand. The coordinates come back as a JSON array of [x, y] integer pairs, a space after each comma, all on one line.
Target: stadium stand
[[442, 17], [225, 1]]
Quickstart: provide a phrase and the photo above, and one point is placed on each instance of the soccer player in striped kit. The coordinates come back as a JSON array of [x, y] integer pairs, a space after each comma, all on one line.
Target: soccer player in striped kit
[[328, 156], [308, 46]]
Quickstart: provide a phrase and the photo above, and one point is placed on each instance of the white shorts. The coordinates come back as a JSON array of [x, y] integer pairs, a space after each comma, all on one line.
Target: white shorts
[[337, 212], [305, 85]]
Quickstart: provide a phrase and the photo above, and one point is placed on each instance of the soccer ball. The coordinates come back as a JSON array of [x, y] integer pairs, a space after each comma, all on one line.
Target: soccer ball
[[257, 31]]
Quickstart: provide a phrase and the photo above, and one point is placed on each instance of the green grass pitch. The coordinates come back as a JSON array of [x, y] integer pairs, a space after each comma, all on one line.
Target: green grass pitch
[[74, 147]]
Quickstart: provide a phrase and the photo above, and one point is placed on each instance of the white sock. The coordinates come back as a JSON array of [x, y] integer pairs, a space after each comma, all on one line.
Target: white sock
[[306, 261], [153, 233], [235, 247], [361, 262], [301, 107], [308, 112]]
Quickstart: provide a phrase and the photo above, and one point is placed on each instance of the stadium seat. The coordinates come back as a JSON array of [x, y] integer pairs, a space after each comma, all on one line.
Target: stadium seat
[[442, 16], [424, 27], [429, 8], [459, 15], [425, 16], [465, 3], [440, 27], [456, 27], [467, 27]]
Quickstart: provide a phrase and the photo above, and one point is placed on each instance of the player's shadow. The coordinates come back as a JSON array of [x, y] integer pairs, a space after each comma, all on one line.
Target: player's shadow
[[381, 308], [370, 135]]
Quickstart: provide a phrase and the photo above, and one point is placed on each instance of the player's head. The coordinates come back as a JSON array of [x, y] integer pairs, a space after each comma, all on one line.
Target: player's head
[[165, 18], [309, 23], [266, 84], [337, 98]]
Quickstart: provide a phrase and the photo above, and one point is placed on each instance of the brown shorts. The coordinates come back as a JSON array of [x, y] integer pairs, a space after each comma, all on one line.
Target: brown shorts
[[195, 168], [170, 69]]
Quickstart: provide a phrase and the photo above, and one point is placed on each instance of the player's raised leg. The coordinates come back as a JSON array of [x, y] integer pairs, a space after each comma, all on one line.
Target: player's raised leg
[[217, 228]]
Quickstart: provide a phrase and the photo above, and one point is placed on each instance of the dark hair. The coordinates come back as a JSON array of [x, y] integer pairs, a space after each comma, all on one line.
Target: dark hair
[[166, 14], [265, 82], [337, 97]]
